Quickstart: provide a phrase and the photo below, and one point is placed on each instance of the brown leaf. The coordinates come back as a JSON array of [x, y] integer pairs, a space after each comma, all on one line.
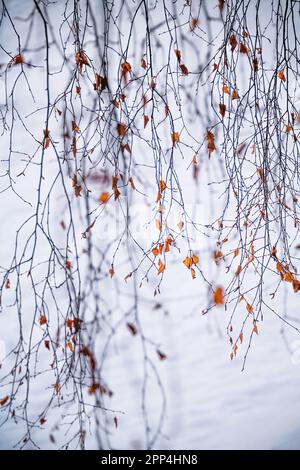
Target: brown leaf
[[126, 68], [19, 59], [184, 69], [232, 42], [243, 48], [175, 137], [132, 328], [210, 142], [162, 356], [42, 319], [4, 400], [219, 296], [222, 109], [121, 129], [146, 120]]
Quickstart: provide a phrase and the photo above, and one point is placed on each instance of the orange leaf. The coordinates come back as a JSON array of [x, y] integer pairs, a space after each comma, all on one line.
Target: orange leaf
[[249, 308], [193, 273], [104, 197], [279, 267], [281, 75], [288, 277], [255, 329], [195, 259], [4, 400], [155, 251], [175, 137], [162, 186], [219, 296], [161, 267], [188, 262], [158, 224], [296, 285], [43, 319], [143, 63], [121, 129], [234, 95]]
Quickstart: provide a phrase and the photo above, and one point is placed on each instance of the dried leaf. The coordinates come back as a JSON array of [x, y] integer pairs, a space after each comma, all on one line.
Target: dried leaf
[[121, 128], [42, 320], [162, 356], [243, 48], [175, 137], [249, 308], [161, 267], [222, 109], [219, 296], [184, 69], [232, 42], [126, 68], [210, 142], [155, 251], [104, 197], [68, 264], [162, 186], [132, 328], [4, 400], [146, 120], [234, 95], [188, 262], [143, 64]]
